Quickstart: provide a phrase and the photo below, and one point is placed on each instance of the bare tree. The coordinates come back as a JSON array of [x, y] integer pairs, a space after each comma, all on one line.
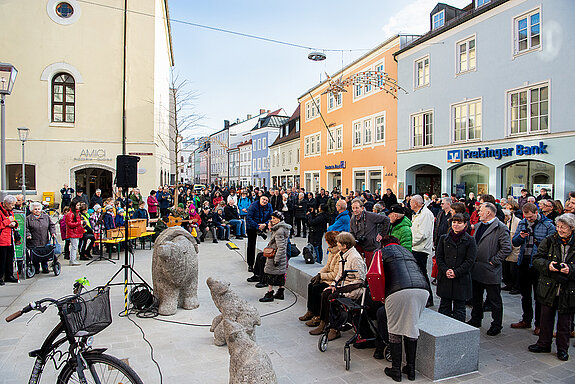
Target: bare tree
[[183, 121]]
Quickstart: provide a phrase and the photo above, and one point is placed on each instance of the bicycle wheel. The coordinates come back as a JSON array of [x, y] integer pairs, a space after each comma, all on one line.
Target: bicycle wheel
[[102, 369]]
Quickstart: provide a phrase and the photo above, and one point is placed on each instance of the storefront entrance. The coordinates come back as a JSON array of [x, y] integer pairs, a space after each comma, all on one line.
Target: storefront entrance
[[427, 180], [334, 180], [90, 179], [470, 178]]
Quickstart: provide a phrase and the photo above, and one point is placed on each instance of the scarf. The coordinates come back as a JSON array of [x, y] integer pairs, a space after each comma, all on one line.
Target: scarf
[[456, 236]]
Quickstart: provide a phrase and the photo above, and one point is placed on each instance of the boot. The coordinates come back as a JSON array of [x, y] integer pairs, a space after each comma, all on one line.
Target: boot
[[279, 294], [410, 350], [319, 329], [308, 316], [313, 322], [269, 296], [333, 334], [395, 371], [83, 256]]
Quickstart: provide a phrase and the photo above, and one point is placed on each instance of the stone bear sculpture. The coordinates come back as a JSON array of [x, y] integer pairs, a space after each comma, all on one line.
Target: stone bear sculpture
[[175, 270], [249, 364], [232, 308]]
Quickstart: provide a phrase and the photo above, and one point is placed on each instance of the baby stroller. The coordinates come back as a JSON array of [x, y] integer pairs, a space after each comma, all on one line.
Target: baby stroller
[[42, 254], [346, 314]]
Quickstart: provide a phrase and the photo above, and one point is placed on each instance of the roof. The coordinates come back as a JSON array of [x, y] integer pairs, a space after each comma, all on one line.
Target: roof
[[293, 134], [271, 121], [295, 114], [244, 143], [450, 24]]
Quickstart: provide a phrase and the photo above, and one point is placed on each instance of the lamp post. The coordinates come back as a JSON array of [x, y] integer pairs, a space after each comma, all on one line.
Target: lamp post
[[23, 134], [7, 78]]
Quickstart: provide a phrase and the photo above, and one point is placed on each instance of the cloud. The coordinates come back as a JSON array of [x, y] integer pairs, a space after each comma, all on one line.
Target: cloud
[[414, 17]]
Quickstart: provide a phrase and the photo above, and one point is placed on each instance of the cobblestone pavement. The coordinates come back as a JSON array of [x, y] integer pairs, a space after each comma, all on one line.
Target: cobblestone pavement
[[187, 354]]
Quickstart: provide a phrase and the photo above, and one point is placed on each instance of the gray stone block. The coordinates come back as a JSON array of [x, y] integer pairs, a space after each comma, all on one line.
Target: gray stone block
[[446, 347]]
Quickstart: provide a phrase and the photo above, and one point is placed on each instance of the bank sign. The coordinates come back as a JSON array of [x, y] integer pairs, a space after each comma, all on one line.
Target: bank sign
[[458, 155]]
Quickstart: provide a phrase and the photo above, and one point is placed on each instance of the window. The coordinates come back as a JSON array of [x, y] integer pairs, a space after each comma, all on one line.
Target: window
[[479, 3], [335, 139], [357, 91], [333, 102], [259, 144], [380, 128], [527, 32], [422, 72], [467, 121], [312, 109], [259, 163], [63, 98], [283, 158], [380, 69], [466, 55], [312, 144], [290, 157], [254, 164], [264, 143], [14, 177], [356, 134], [306, 147], [422, 128], [529, 109], [64, 10], [439, 19], [367, 132], [297, 125]]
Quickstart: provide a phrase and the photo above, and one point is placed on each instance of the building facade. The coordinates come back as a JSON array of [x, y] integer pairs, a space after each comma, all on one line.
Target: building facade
[[262, 135], [487, 102], [219, 156], [245, 149], [284, 154], [234, 167], [358, 152], [71, 97]]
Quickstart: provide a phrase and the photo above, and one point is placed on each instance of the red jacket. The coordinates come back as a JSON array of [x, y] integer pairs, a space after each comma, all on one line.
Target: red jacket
[[5, 230], [74, 228]]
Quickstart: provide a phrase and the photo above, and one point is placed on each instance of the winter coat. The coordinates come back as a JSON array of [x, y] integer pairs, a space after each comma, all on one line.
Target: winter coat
[[319, 199], [341, 224], [512, 225], [300, 208], [136, 200], [63, 228], [331, 209], [164, 199], [96, 200], [311, 203], [141, 214], [258, 214], [40, 228], [542, 228], [277, 265], [441, 226], [351, 260], [401, 270], [277, 202], [244, 203], [551, 250], [231, 213], [458, 256], [74, 227], [329, 270], [402, 231], [5, 230], [422, 224], [288, 215], [366, 226], [217, 200], [493, 247], [109, 222], [152, 204], [390, 200], [317, 224]]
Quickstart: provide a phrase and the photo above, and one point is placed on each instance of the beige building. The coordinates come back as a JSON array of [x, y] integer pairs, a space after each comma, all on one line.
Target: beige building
[[284, 154], [69, 91]]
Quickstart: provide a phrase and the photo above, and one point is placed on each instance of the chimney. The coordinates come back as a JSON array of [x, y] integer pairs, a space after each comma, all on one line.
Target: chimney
[[226, 123], [262, 111], [237, 120], [248, 116]]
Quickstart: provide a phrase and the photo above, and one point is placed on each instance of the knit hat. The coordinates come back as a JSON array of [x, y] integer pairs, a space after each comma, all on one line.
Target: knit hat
[[396, 208], [278, 215], [109, 208], [181, 205], [96, 207]]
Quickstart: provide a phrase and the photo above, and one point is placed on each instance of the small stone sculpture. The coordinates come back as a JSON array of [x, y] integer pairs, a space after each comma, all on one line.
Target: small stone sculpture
[[249, 364], [232, 308], [175, 270]]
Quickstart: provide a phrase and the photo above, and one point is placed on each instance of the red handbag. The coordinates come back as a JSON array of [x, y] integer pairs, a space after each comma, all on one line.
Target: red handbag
[[376, 278], [434, 269]]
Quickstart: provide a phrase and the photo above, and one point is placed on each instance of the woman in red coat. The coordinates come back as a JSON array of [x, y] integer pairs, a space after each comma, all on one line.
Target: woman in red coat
[[7, 224], [74, 230]]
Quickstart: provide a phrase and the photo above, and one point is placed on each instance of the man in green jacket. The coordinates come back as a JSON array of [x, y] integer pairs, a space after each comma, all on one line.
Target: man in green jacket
[[400, 226]]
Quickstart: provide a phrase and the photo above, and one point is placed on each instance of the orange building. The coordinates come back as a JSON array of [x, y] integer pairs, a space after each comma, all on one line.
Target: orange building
[[360, 153]]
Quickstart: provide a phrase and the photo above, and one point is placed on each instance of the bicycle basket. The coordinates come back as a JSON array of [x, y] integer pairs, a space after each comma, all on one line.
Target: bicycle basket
[[89, 313]]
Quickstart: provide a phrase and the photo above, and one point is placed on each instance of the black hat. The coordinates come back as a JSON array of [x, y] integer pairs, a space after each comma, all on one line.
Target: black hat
[[396, 208], [278, 215]]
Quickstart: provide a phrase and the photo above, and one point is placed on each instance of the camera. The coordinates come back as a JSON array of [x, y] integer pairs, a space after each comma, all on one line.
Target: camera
[[262, 234], [361, 239], [557, 266]]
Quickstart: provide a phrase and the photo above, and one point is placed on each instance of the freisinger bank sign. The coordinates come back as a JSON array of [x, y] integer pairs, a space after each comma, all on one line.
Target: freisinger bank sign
[[458, 155]]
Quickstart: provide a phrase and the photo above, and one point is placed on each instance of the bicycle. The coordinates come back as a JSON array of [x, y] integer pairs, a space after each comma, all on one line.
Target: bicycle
[[82, 315]]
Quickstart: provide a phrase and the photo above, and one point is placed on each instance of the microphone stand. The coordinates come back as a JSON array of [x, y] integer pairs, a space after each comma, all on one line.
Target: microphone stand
[[101, 256]]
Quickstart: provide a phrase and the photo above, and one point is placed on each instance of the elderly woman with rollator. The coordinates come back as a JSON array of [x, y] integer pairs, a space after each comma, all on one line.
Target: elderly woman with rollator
[[40, 231], [555, 261]]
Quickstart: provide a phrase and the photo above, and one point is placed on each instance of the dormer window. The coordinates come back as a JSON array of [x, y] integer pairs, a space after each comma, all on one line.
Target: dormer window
[[480, 3], [439, 19]]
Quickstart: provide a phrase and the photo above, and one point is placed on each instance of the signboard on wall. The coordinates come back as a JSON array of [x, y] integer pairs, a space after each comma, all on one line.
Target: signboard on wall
[[401, 190], [537, 189], [516, 190]]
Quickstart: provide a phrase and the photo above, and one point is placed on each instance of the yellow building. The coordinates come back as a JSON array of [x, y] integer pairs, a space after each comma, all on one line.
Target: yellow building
[[359, 150], [69, 91]]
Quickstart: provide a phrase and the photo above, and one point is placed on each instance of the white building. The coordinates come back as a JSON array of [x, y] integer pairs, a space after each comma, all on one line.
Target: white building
[[284, 154], [245, 150]]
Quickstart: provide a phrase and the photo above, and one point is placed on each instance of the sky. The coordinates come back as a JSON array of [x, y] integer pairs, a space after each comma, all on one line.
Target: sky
[[234, 76]]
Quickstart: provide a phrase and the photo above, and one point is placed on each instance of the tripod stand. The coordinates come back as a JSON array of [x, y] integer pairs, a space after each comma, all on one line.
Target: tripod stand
[[126, 267], [101, 257]]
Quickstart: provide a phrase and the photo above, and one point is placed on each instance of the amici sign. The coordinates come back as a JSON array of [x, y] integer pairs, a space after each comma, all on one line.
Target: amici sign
[[458, 155]]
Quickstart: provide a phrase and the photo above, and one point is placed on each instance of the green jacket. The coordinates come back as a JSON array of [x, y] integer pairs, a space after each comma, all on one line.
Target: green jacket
[[159, 228], [551, 250], [331, 206], [402, 231]]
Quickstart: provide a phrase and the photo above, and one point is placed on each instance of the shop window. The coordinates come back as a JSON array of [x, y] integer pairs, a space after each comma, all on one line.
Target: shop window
[[359, 177], [529, 174], [470, 178], [63, 98], [374, 181], [14, 177]]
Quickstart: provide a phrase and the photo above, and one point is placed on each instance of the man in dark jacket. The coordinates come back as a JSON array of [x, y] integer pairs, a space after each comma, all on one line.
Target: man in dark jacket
[[97, 198], [364, 227], [276, 200], [300, 210], [321, 198], [66, 193], [259, 214], [493, 246], [317, 223], [164, 201], [442, 222], [389, 199], [529, 234]]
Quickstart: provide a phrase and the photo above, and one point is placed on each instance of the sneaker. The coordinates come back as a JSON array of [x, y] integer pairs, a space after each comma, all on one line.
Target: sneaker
[[74, 263]]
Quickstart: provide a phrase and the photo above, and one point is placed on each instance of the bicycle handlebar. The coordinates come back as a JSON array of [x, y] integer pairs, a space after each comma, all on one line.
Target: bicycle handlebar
[[33, 305]]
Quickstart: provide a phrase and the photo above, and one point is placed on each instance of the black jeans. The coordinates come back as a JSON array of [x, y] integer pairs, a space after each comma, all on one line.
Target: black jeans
[[452, 308], [86, 243], [421, 259], [6, 262], [493, 297], [563, 328], [511, 274], [252, 238], [528, 278], [299, 223], [314, 297]]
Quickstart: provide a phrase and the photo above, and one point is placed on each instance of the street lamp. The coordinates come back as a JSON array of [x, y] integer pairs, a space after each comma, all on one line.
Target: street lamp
[[7, 78], [23, 134]]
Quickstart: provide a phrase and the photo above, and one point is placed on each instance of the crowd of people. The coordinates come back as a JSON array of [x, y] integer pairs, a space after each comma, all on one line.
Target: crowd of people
[[476, 244]]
